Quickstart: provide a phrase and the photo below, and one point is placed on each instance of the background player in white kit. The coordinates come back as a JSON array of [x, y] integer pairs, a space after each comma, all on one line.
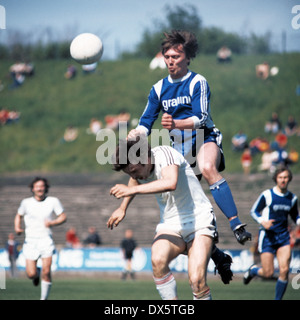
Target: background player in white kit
[[187, 220], [37, 212]]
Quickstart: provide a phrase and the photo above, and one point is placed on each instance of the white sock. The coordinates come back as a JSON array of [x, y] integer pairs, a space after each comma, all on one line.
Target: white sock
[[204, 295], [45, 289], [166, 287]]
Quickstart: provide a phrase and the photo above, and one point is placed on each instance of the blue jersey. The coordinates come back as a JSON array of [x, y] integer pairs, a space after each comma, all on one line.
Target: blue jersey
[[277, 206], [182, 98]]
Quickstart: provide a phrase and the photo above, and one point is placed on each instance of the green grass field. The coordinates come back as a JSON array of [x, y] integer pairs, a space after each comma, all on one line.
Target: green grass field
[[99, 288]]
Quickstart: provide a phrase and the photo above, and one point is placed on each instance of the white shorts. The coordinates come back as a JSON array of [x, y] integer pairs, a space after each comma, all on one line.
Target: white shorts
[[204, 224], [35, 248]]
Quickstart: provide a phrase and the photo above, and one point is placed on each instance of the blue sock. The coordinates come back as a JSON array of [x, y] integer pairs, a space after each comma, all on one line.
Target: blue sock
[[254, 271], [280, 289], [223, 198]]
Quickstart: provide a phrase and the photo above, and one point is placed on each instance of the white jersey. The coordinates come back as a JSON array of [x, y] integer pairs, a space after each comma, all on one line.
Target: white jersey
[[36, 212], [188, 200]]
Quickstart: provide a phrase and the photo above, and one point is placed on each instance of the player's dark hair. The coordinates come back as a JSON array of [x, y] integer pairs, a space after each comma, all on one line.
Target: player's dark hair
[[180, 37], [125, 146], [36, 179], [280, 170]]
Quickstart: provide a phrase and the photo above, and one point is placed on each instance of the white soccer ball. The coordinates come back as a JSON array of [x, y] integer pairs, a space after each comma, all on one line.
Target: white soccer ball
[[86, 48]]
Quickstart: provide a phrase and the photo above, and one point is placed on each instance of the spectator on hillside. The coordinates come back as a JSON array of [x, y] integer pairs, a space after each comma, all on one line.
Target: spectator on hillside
[[70, 134], [263, 70], [71, 72], [239, 141], [18, 71], [95, 126], [281, 139], [112, 121], [273, 125], [291, 128], [293, 156], [258, 145], [266, 160], [246, 160], [224, 55], [93, 239], [72, 240]]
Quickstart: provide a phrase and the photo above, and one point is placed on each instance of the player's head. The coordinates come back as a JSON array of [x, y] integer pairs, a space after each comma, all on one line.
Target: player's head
[[180, 39], [279, 171], [38, 179], [133, 157]]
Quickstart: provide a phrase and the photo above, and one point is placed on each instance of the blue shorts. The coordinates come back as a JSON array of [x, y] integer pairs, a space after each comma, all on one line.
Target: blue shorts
[[269, 241], [189, 142]]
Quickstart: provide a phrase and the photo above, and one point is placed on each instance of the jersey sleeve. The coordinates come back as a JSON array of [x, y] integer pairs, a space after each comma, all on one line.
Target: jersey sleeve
[[294, 213], [200, 93], [151, 111], [22, 209], [58, 208], [258, 206]]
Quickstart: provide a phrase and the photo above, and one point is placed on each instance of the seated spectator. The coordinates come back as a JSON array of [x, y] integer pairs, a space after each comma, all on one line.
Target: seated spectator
[[258, 145], [293, 157], [72, 240], [246, 160], [95, 126], [280, 157], [93, 239], [266, 160], [273, 125], [239, 141], [70, 134], [262, 70], [18, 71], [281, 139], [3, 116], [291, 128], [71, 72], [224, 55], [112, 121]]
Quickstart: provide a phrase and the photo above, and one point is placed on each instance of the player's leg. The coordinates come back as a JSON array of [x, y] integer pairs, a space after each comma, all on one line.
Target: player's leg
[[209, 158], [46, 277], [166, 246], [284, 259], [32, 271], [197, 265]]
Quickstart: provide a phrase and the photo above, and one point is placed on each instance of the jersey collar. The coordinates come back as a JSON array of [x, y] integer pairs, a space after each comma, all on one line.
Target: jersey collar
[[180, 79]]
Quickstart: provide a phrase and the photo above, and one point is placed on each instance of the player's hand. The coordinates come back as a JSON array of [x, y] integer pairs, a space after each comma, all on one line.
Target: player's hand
[[167, 121], [135, 133], [48, 223], [19, 230], [117, 216], [120, 191], [268, 224]]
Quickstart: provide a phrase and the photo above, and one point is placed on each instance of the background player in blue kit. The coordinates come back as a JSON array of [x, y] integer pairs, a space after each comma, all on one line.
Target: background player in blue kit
[[184, 99], [271, 211]]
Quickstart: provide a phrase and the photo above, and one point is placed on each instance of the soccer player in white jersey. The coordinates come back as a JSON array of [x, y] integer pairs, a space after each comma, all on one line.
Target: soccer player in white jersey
[[271, 211], [184, 99], [37, 212], [187, 220]]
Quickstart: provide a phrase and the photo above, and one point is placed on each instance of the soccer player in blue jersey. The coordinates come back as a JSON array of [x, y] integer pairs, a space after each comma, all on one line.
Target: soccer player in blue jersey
[[271, 212], [184, 99]]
